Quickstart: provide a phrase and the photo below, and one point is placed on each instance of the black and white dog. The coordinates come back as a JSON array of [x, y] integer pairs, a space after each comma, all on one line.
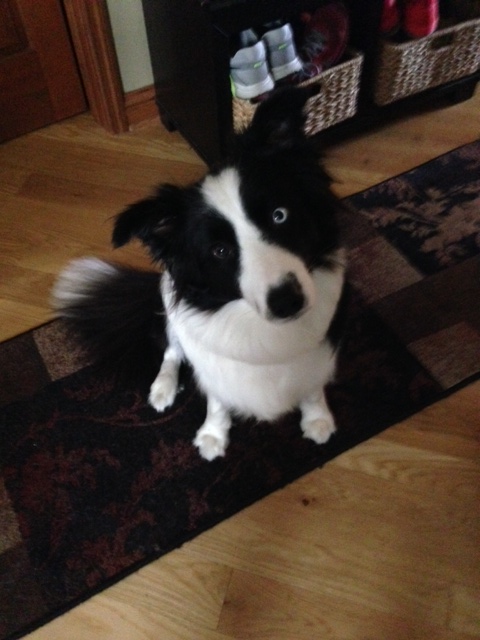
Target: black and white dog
[[249, 296]]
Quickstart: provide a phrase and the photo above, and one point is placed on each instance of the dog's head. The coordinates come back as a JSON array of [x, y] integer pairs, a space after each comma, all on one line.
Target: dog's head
[[254, 229]]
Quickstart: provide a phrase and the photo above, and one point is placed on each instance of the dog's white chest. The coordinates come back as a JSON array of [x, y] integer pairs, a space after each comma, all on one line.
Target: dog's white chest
[[263, 391], [252, 366]]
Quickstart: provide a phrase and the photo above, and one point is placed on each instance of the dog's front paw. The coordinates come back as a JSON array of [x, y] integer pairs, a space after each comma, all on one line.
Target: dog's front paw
[[210, 445], [318, 429], [163, 391]]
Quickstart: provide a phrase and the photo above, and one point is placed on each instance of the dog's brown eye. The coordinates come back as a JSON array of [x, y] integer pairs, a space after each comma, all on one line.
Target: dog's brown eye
[[280, 215], [222, 251]]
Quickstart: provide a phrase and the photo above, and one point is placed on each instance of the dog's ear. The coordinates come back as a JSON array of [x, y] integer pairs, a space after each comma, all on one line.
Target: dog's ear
[[279, 122], [151, 220]]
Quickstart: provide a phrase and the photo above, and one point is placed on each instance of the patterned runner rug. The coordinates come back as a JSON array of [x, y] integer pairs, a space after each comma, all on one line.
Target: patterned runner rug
[[94, 484]]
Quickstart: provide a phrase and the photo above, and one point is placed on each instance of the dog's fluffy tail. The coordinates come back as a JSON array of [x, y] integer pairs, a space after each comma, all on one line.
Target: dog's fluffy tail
[[116, 313]]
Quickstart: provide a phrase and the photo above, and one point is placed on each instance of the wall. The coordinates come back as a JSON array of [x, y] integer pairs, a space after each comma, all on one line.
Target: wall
[[130, 38]]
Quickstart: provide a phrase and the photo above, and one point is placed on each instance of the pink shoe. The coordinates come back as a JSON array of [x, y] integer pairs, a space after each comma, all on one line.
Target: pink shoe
[[420, 17], [325, 36], [390, 21]]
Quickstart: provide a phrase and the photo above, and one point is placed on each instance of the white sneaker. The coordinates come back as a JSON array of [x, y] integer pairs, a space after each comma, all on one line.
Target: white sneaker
[[282, 54], [249, 72]]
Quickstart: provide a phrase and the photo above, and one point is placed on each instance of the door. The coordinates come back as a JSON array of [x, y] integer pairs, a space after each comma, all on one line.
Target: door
[[39, 80]]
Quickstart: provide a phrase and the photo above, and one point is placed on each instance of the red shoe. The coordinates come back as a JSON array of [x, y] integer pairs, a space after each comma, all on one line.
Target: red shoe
[[390, 21], [420, 17], [326, 35]]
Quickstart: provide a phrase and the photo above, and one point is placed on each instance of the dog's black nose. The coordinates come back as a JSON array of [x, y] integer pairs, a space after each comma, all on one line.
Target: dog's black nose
[[287, 299]]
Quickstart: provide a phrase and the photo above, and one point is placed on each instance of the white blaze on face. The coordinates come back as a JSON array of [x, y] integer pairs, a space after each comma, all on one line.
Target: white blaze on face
[[264, 267]]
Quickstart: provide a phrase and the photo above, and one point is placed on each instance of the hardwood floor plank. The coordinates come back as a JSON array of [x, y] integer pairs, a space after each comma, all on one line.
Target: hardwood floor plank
[[263, 608], [340, 531], [456, 425], [76, 194], [465, 614], [18, 317]]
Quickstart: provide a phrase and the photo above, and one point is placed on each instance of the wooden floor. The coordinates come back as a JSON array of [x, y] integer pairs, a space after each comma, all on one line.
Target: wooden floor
[[382, 544]]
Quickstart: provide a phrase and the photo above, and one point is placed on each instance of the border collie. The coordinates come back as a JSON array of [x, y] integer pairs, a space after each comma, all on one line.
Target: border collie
[[253, 272]]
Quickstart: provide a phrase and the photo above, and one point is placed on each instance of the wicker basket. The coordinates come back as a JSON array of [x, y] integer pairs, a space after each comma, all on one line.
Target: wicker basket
[[411, 67], [336, 101]]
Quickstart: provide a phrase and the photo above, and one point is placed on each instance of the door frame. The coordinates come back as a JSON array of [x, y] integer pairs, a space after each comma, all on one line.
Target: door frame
[[92, 39]]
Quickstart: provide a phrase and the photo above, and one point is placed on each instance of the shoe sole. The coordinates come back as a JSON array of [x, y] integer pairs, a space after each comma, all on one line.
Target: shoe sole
[[286, 69], [250, 91]]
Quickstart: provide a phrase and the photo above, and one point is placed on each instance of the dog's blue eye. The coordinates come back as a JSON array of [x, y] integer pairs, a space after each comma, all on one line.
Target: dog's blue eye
[[280, 215], [222, 251]]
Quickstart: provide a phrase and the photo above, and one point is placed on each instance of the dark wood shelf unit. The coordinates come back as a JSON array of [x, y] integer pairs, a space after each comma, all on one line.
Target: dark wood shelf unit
[[190, 42]]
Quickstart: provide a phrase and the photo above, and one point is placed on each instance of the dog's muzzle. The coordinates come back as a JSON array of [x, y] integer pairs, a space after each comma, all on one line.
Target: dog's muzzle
[[286, 300]]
